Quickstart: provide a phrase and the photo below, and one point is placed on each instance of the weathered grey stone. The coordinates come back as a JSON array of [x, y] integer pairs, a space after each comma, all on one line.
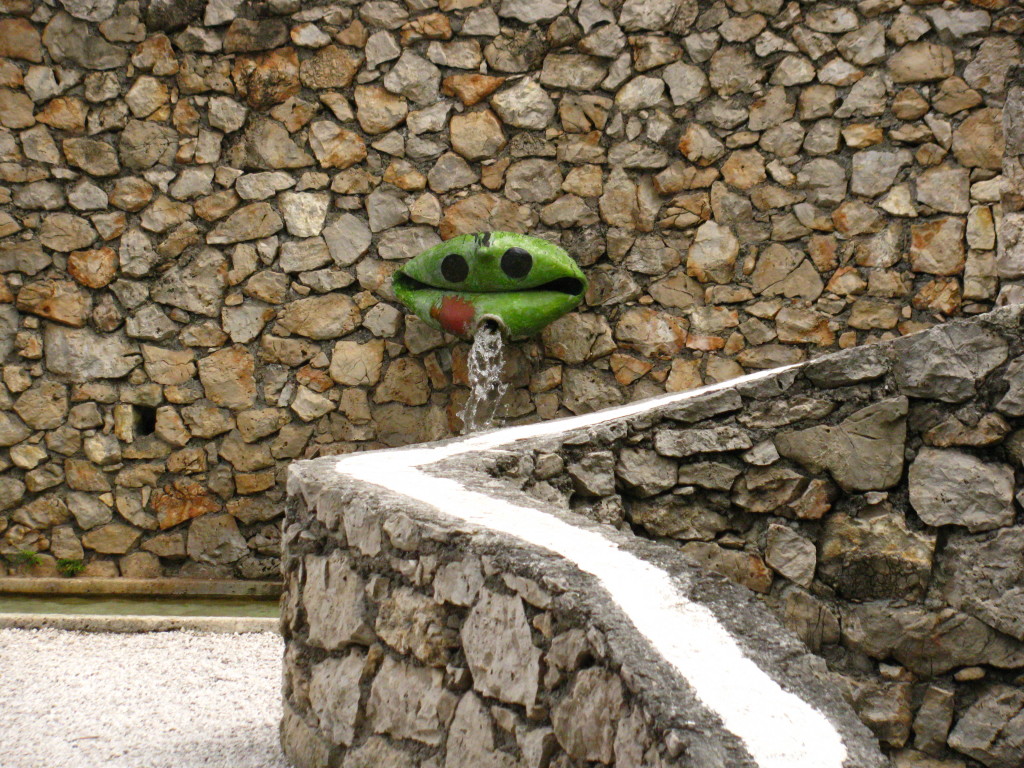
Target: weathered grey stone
[[644, 472], [321, 317], [228, 378], [992, 729], [470, 740], [334, 695], [499, 649], [933, 718], [791, 554], [687, 442], [921, 62], [584, 721], [70, 40], [983, 576], [686, 83], [414, 624], [847, 367], [988, 69], [712, 256], [377, 751], [875, 557], [945, 188], [863, 452], [944, 363], [82, 355], [335, 605], [44, 406], [950, 487], [142, 144], [409, 702], [250, 222], [215, 539], [197, 286], [459, 582], [95, 157], [304, 212], [303, 745], [266, 145], [415, 78], [875, 171], [594, 473], [684, 517], [885, 707], [524, 105]]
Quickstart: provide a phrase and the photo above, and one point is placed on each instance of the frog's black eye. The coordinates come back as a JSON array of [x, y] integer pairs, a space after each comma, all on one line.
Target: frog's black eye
[[454, 268], [516, 262]]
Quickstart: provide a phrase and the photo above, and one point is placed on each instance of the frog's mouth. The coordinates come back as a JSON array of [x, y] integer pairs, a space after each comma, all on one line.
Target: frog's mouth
[[519, 313], [571, 286]]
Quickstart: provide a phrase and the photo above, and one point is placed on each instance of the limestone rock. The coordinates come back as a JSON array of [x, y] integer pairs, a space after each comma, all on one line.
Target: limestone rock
[[644, 472], [334, 146], [215, 539], [863, 452], [983, 577], [921, 62], [57, 300], [111, 539], [227, 378], [334, 694], [180, 501], [321, 317], [524, 105], [949, 487], [477, 135], [414, 624], [197, 286], [304, 212], [250, 222], [83, 355], [873, 557], [713, 254], [95, 157], [991, 729], [409, 702], [66, 232], [71, 40], [415, 78], [686, 442], [584, 721], [945, 364]]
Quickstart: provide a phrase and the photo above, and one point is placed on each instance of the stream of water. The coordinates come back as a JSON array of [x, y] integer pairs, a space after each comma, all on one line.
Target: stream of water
[[486, 359]]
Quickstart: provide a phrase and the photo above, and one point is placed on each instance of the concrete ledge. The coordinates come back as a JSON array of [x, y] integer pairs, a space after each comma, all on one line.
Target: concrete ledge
[[133, 624], [140, 587]]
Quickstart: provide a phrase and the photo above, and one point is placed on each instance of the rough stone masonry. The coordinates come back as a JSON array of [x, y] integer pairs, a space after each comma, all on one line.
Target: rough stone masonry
[[872, 499], [201, 204]]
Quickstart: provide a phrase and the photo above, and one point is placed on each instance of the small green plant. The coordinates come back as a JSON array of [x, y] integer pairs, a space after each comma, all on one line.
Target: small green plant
[[26, 557], [69, 567]]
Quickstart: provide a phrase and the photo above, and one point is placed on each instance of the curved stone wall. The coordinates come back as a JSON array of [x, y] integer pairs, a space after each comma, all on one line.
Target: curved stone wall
[[872, 499], [201, 204]]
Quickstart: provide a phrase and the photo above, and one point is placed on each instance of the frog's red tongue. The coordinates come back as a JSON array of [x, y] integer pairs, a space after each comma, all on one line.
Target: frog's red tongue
[[455, 315]]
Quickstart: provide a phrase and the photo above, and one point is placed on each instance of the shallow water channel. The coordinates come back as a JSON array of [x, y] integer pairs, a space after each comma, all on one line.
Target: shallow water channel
[[140, 606]]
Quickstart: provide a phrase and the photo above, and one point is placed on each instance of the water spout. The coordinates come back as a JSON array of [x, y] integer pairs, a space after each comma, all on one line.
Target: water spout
[[486, 389]]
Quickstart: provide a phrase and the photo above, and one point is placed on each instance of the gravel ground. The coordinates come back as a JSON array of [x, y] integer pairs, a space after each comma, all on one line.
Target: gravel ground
[[151, 700]]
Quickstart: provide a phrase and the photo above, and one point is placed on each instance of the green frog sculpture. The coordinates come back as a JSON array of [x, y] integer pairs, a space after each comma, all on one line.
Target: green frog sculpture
[[518, 282]]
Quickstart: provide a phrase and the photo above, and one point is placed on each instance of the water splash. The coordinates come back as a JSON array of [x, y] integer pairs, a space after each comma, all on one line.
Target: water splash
[[486, 389]]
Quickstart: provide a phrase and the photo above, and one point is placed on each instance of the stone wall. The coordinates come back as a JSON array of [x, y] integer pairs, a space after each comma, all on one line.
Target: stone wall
[[201, 205], [872, 498]]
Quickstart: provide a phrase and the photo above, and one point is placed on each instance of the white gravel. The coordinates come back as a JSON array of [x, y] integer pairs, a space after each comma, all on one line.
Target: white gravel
[[151, 700]]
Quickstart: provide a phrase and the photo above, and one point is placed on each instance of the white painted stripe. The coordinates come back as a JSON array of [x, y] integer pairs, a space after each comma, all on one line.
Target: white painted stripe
[[778, 728]]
